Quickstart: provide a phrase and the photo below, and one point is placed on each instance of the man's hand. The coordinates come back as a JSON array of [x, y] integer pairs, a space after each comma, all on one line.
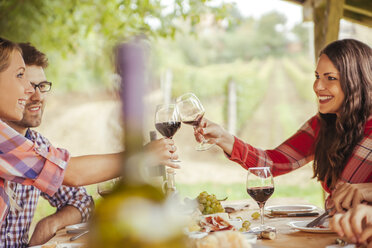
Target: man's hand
[[46, 228]]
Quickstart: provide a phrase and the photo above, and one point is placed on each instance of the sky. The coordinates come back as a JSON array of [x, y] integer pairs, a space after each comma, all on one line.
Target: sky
[[256, 8]]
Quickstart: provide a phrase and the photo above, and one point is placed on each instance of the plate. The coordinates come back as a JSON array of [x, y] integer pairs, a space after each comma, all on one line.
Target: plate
[[286, 209], [62, 245], [301, 225], [80, 226]]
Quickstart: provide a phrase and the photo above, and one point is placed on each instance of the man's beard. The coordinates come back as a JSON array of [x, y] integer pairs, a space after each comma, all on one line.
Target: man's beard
[[30, 121]]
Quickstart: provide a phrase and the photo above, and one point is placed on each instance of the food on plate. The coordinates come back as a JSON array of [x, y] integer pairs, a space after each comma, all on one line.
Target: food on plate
[[256, 215], [231, 239], [208, 204], [325, 224], [246, 226], [214, 223]]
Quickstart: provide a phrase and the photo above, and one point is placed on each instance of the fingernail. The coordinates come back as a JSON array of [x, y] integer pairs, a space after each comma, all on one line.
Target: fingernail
[[353, 239]]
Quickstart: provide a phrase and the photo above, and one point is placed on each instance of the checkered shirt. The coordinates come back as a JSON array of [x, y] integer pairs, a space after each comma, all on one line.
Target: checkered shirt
[[14, 230], [298, 150], [23, 161]]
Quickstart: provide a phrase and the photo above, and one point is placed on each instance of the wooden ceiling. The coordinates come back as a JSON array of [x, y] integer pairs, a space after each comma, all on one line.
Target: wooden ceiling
[[358, 11]]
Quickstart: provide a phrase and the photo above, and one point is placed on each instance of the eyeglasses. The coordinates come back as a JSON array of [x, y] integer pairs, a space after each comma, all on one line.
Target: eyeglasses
[[43, 86]]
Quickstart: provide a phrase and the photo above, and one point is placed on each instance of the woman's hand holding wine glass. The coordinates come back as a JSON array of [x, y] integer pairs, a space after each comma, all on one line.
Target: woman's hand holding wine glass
[[215, 134], [260, 186], [191, 112], [162, 150]]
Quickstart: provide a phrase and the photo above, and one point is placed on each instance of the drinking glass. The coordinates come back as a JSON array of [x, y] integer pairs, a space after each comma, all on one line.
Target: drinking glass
[[106, 187], [167, 121], [260, 186], [191, 112]]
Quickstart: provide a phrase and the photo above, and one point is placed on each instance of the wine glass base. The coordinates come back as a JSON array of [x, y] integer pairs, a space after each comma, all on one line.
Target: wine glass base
[[204, 146], [175, 161]]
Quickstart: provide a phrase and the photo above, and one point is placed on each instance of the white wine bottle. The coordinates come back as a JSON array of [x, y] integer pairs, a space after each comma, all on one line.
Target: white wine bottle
[[135, 214]]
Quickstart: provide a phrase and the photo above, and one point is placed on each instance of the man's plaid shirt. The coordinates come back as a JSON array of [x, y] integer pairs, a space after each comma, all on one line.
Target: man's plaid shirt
[[15, 229], [298, 150]]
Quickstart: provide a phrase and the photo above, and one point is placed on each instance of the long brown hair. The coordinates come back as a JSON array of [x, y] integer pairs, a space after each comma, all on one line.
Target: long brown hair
[[338, 135]]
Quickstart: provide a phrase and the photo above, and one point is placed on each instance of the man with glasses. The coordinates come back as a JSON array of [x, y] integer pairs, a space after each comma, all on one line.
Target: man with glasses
[[73, 205]]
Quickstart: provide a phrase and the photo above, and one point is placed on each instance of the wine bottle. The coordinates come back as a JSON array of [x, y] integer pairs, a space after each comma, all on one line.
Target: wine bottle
[[135, 214]]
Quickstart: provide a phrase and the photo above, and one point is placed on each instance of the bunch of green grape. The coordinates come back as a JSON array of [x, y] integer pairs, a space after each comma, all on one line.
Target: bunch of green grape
[[209, 204]]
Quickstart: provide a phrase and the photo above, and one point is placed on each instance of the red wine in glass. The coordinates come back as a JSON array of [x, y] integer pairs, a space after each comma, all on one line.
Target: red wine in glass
[[261, 194], [191, 112], [167, 121], [194, 122], [260, 186], [168, 129]]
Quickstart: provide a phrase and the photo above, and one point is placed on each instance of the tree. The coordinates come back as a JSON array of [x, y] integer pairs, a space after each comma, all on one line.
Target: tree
[[81, 33]]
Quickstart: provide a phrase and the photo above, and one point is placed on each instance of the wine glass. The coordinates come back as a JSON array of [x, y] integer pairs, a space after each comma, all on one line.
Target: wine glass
[[192, 111], [167, 121], [106, 187], [260, 186]]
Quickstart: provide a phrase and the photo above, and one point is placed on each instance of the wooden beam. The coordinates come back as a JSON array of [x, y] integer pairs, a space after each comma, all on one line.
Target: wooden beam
[[358, 18], [365, 12], [327, 15], [363, 7]]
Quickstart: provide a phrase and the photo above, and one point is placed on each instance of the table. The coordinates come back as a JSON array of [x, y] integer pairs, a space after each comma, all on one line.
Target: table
[[286, 236]]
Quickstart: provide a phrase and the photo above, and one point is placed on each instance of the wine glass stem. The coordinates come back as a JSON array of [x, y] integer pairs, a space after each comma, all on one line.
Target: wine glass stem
[[262, 209]]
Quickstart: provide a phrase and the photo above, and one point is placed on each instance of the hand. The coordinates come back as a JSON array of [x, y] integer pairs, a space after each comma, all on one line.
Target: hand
[[346, 195], [355, 224], [45, 229], [215, 134], [164, 150]]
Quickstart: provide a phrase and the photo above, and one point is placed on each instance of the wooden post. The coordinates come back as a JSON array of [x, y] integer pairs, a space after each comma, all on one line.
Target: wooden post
[[231, 108], [326, 15], [166, 84]]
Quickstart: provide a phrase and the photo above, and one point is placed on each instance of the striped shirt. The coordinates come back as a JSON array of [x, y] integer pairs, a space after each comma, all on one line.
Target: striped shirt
[[23, 161], [15, 229], [298, 150]]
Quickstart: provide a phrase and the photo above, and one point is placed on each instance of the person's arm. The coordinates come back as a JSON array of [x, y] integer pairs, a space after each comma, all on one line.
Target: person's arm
[[90, 169], [46, 228], [74, 205], [293, 153]]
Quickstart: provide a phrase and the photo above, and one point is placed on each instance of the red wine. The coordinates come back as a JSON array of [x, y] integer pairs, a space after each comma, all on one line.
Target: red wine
[[261, 194], [195, 122], [168, 129]]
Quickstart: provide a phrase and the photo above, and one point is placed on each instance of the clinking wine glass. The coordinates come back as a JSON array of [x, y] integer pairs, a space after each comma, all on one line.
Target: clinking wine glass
[[192, 111], [167, 121], [260, 186]]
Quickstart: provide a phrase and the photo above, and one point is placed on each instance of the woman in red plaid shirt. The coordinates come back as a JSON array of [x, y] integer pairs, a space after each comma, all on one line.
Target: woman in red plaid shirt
[[338, 139]]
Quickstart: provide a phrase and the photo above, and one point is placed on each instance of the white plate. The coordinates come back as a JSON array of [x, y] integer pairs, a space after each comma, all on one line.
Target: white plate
[[301, 225], [286, 209], [62, 245], [80, 226]]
